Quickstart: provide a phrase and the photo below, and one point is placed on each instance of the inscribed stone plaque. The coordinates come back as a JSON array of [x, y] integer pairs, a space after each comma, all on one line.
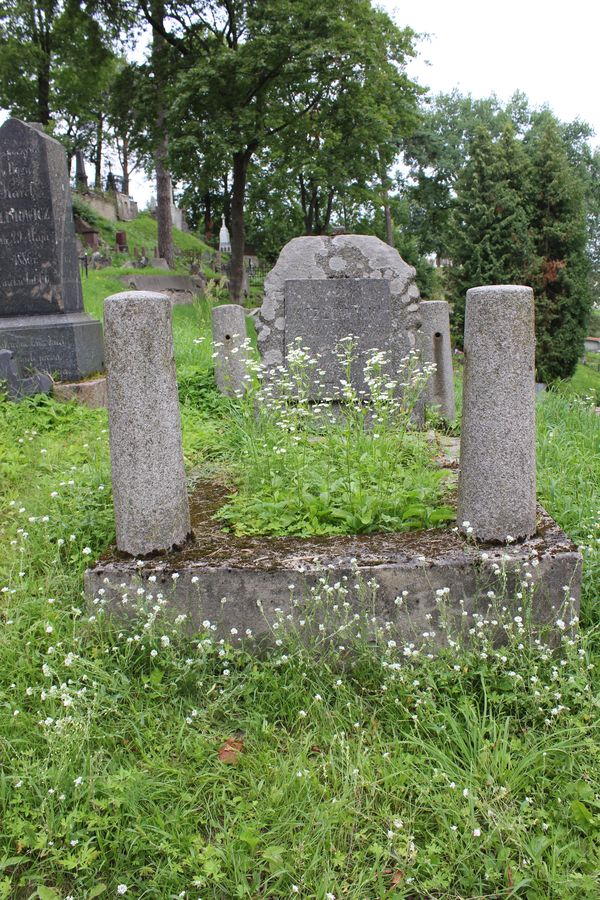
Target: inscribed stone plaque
[[39, 271], [320, 313]]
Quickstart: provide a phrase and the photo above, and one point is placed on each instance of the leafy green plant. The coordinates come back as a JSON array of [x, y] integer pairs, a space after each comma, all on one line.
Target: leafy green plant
[[346, 466]]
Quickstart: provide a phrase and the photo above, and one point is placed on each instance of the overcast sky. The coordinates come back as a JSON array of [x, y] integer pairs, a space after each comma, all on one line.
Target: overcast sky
[[548, 50]]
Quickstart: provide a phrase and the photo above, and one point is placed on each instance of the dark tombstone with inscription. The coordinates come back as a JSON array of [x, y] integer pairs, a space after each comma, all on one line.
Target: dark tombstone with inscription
[[41, 305]]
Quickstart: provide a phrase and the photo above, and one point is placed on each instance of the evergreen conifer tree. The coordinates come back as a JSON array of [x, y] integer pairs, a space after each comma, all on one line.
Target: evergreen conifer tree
[[490, 238], [560, 276]]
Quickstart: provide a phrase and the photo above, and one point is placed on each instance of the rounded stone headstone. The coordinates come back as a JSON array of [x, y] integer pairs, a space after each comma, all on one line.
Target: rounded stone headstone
[[149, 484], [347, 257], [496, 492]]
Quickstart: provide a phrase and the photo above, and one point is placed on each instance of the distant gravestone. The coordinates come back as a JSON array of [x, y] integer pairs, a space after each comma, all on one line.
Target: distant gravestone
[[224, 239], [320, 314], [41, 305], [80, 173]]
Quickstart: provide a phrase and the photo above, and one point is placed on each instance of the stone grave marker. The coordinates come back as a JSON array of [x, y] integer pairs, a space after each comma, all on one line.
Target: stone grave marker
[[322, 289], [41, 305], [320, 314]]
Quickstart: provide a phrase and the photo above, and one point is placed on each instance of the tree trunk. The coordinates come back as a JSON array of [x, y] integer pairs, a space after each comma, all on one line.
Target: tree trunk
[[44, 43], [238, 231], [328, 210], [389, 226], [98, 160], [164, 188], [164, 198], [208, 222], [43, 91], [125, 164], [226, 198]]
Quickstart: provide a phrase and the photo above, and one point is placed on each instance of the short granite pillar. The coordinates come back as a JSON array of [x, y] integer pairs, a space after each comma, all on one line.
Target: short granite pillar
[[149, 485], [496, 489], [433, 340], [230, 348]]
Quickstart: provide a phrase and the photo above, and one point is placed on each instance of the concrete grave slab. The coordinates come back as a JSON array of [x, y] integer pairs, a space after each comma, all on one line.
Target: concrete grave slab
[[254, 574], [182, 289]]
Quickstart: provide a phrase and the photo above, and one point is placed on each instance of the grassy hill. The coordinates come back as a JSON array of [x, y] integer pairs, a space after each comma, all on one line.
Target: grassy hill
[[141, 232]]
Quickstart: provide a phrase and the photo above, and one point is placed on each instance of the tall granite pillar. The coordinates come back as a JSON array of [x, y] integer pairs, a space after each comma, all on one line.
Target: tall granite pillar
[[148, 475], [496, 488], [433, 341], [41, 305]]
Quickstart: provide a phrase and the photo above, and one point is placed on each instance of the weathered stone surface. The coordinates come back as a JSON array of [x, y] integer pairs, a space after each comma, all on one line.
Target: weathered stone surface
[[91, 393], [347, 256], [317, 315], [230, 348], [68, 346], [149, 484], [497, 454], [254, 575], [432, 322], [181, 288], [39, 272], [127, 208], [15, 385]]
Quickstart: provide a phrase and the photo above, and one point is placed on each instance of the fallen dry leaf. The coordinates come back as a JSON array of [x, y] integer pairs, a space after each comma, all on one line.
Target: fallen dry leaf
[[398, 877], [230, 751]]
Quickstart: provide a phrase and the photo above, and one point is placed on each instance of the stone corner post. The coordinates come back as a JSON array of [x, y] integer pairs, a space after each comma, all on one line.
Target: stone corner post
[[149, 484], [230, 348], [497, 482], [433, 342]]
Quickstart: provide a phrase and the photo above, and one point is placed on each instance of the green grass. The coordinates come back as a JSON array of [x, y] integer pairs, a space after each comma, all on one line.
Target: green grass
[[141, 232], [584, 383], [472, 774], [308, 469]]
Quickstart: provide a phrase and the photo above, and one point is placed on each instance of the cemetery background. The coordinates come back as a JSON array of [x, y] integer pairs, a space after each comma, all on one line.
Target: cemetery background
[[470, 770]]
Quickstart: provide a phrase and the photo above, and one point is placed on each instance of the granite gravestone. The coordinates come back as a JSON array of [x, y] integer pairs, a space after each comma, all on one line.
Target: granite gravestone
[[230, 342], [146, 454], [344, 260], [41, 305], [321, 314]]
